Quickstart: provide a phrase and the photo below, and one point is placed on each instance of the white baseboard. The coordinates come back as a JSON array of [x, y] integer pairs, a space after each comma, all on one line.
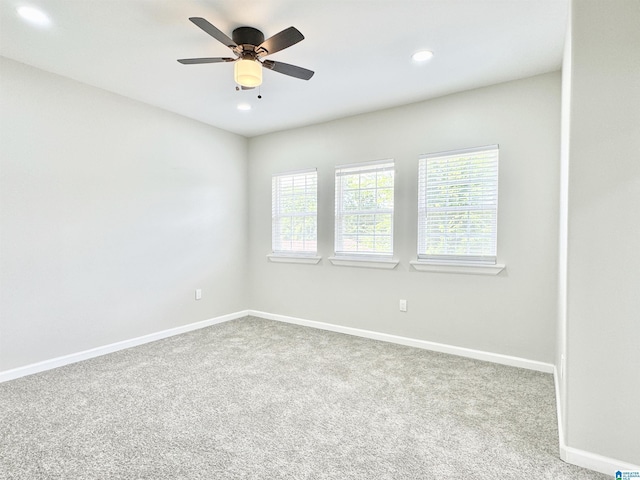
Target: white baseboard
[[593, 461], [582, 458], [412, 342], [570, 455], [114, 347]]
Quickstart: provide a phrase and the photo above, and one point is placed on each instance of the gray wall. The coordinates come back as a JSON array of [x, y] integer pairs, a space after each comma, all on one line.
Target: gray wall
[[111, 214], [603, 235], [513, 313]]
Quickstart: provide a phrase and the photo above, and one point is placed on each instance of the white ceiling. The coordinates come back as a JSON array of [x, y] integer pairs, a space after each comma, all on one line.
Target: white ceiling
[[360, 50]]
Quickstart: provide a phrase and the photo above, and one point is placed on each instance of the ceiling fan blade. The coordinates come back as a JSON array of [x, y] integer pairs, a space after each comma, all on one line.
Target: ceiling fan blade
[[213, 31], [191, 61], [280, 41], [286, 69]]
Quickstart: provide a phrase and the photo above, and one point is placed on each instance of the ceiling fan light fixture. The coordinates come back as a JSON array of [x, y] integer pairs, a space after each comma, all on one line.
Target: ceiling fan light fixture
[[247, 72]]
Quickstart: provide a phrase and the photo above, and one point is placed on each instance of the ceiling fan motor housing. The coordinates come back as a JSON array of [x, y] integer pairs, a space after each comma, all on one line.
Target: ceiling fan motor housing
[[247, 36]]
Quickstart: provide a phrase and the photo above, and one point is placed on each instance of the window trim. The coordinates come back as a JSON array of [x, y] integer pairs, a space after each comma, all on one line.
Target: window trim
[[455, 263], [457, 267], [367, 261], [349, 258], [285, 256], [297, 258]]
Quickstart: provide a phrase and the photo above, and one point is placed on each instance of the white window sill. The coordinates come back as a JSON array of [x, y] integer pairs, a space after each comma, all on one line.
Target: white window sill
[[312, 260], [463, 268], [383, 263]]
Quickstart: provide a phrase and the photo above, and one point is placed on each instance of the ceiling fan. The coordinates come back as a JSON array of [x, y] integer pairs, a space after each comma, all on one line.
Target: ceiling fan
[[249, 47]]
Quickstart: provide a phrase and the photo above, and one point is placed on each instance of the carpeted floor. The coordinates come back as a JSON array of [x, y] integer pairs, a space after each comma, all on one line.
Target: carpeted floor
[[257, 399]]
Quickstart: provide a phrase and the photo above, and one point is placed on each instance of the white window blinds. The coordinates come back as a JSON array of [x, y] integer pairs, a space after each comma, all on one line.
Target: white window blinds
[[364, 209], [458, 205], [294, 206]]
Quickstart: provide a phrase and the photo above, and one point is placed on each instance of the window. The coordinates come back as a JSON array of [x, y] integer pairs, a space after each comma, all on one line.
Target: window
[[364, 209], [458, 206], [294, 206]]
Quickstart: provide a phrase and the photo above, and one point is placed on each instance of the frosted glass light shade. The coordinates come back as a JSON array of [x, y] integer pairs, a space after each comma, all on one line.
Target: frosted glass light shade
[[247, 73]]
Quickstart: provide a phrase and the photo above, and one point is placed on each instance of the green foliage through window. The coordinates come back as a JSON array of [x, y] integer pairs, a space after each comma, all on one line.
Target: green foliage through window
[[294, 208], [364, 209], [458, 205]]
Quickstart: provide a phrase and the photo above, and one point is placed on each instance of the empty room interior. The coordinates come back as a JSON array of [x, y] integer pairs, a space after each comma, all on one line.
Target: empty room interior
[[342, 262]]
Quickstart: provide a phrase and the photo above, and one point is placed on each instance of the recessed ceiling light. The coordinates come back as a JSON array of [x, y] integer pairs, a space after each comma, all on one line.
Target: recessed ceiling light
[[244, 107], [34, 15], [422, 56]]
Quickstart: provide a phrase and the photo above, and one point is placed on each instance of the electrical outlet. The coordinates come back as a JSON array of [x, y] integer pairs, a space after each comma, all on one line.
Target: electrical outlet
[[198, 293], [403, 305]]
